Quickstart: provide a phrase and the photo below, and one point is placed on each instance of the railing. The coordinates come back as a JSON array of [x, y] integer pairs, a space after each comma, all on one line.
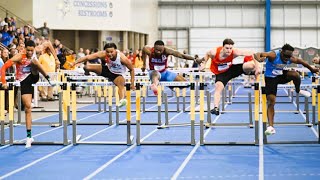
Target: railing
[[19, 23]]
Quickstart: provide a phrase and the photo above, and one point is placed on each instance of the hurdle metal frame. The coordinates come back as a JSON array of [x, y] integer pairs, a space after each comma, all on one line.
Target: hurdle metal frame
[[264, 122], [11, 141], [76, 138], [192, 123], [255, 141]]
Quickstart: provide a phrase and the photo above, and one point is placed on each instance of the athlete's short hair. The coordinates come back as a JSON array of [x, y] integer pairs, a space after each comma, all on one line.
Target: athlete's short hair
[[30, 43], [159, 42], [110, 45], [227, 41], [287, 47]]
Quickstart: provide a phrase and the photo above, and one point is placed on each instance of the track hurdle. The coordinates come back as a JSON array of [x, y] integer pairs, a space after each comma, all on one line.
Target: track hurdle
[[255, 141], [192, 119], [129, 140], [264, 121]]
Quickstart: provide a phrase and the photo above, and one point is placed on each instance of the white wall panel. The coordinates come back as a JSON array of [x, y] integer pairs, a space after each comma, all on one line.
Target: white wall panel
[[292, 37], [169, 34], [182, 40], [309, 38], [165, 13], [169, 37], [200, 16], [295, 37], [217, 16], [309, 15], [277, 16], [318, 36], [318, 15], [234, 16], [292, 15], [277, 38], [83, 15], [203, 39], [251, 16], [183, 19], [176, 39]]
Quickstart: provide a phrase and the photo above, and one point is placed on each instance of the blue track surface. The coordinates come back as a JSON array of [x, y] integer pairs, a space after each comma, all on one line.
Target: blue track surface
[[264, 161]]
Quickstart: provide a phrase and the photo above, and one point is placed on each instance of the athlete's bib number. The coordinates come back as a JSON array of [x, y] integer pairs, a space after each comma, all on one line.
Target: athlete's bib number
[[222, 67], [277, 72], [159, 68], [26, 69]]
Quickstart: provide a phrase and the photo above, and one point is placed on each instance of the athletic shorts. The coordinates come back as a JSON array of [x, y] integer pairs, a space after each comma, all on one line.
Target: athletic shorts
[[108, 74], [26, 84], [272, 83], [234, 71], [165, 75]]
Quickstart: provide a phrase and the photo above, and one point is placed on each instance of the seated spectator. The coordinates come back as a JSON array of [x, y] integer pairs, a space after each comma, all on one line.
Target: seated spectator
[[138, 62], [70, 58]]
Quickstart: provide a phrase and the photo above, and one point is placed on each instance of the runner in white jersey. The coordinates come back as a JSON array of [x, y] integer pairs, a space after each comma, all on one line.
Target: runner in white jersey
[[113, 68]]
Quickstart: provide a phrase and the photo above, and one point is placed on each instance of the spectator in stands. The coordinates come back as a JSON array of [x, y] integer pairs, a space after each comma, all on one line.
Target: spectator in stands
[[6, 37], [1, 61], [130, 57], [21, 46], [138, 62], [56, 45], [195, 65], [62, 58], [13, 52], [316, 59], [18, 32], [49, 65], [80, 53], [87, 52], [32, 34], [4, 22], [13, 22], [26, 31], [70, 58], [44, 31]]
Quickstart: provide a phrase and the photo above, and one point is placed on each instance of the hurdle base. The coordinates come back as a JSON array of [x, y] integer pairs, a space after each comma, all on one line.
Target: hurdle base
[[163, 126], [165, 143], [42, 143], [231, 143], [211, 125], [141, 123], [291, 142], [104, 142]]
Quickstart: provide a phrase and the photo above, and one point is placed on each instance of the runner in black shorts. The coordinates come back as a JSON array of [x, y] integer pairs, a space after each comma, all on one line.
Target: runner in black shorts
[[108, 74], [114, 65], [224, 69], [277, 73], [234, 71], [27, 72], [272, 83]]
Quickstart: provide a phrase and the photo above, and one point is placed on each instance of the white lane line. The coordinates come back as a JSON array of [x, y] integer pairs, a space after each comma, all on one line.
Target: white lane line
[[101, 168], [49, 155], [187, 160], [261, 145]]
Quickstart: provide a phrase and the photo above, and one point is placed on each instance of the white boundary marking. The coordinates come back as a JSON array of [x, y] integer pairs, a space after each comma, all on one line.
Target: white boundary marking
[[49, 155], [186, 161], [101, 168]]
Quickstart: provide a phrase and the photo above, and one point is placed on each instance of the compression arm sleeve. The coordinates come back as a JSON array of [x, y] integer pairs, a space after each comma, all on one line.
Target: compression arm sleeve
[[4, 68]]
